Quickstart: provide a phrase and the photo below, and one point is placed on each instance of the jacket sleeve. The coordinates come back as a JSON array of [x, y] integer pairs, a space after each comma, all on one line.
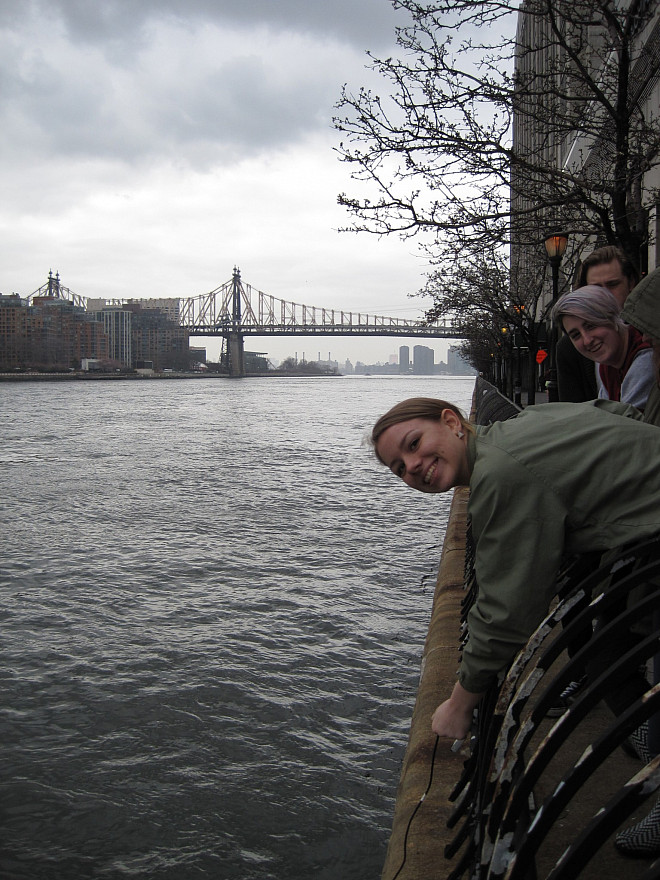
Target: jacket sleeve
[[621, 409], [519, 525]]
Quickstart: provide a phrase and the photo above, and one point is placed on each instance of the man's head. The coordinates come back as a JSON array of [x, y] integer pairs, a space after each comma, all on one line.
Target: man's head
[[609, 267]]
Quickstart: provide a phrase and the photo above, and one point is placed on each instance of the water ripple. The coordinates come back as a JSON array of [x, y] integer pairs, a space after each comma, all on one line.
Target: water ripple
[[214, 602]]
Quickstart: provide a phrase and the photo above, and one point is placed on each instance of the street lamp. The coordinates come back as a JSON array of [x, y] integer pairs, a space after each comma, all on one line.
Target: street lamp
[[555, 246], [500, 364]]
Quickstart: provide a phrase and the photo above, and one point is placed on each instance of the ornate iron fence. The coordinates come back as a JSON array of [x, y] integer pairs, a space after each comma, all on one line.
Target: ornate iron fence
[[528, 771]]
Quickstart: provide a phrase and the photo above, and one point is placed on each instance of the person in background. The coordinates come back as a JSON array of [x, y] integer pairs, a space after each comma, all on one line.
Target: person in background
[[553, 481], [606, 267], [590, 317], [642, 311]]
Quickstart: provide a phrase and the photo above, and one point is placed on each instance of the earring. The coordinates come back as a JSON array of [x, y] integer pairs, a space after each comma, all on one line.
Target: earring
[[460, 435]]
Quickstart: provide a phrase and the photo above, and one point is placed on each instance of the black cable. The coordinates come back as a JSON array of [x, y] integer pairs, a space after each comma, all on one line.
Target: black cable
[[414, 812]]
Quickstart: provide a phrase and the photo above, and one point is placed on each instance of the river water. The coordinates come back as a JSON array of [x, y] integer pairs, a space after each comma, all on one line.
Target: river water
[[214, 603]]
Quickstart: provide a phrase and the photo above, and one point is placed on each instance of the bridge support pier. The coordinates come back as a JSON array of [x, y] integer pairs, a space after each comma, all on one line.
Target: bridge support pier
[[236, 353]]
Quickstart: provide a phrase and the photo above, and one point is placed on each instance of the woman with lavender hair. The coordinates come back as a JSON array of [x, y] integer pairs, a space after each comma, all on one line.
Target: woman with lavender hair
[[591, 318]]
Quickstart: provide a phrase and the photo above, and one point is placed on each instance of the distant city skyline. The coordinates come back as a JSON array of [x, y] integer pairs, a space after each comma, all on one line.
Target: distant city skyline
[[366, 349]]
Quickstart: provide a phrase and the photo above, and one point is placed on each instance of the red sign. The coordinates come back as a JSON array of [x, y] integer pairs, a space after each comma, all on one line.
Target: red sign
[[541, 355]]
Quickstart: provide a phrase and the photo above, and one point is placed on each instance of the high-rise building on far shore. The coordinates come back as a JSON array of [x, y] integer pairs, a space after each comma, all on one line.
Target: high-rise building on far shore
[[423, 360]]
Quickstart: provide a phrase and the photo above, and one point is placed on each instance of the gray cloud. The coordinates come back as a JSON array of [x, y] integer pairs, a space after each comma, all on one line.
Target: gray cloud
[[196, 80], [362, 23], [147, 146]]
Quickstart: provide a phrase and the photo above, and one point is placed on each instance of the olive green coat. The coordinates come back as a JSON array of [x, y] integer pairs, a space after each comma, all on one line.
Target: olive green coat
[[559, 479]]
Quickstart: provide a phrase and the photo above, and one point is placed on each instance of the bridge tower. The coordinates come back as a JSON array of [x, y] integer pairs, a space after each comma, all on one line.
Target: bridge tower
[[235, 347], [54, 287]]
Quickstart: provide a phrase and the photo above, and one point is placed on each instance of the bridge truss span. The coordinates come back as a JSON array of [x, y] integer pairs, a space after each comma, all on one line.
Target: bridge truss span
[[240, 308], [235, 310]]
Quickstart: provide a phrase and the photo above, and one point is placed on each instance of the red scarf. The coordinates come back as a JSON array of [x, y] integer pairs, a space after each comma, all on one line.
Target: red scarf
[[611, 377]]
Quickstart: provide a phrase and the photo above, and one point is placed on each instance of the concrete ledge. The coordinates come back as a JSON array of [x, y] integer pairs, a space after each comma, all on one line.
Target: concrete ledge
[[428, 834]]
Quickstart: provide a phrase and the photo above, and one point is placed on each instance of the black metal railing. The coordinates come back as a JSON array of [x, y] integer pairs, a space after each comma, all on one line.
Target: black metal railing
[[496, 811], [526, 769]]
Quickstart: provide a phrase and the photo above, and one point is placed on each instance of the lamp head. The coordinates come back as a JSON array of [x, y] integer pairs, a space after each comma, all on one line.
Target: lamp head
[[555, 245]]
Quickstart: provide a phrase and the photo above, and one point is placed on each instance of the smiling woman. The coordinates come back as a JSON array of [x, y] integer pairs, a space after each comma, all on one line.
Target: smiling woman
[[424, 443], [590, 317], [557, 480]]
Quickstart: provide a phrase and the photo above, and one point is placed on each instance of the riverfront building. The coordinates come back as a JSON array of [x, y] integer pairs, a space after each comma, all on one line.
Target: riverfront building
[[13, 332], [54, 331], [49, 333], [144, 330], [116, 324], [568, 131]]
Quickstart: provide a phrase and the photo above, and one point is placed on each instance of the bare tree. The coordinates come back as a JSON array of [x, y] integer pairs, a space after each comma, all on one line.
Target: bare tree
[[437, 157], [499, 310]]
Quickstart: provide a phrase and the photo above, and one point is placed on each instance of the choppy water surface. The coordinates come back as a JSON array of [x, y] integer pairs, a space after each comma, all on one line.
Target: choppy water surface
[[214, 603]]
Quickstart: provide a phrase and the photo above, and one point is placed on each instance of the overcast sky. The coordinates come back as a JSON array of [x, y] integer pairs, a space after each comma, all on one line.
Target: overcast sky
[[149, 146]]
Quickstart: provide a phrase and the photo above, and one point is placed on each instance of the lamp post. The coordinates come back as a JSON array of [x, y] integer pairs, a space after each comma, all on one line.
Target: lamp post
[[504, 373], [517, 383], [517, 342], [555, 246]]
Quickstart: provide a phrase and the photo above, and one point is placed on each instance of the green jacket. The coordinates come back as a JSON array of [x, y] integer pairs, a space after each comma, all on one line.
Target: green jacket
[[642, 310], [559, 479]]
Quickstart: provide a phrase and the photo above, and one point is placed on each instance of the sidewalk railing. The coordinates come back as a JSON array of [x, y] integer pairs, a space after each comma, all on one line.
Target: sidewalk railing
[[499, 815]]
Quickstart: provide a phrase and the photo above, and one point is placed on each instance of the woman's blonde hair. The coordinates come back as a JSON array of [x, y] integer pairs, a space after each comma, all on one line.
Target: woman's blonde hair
[[415, 408]]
